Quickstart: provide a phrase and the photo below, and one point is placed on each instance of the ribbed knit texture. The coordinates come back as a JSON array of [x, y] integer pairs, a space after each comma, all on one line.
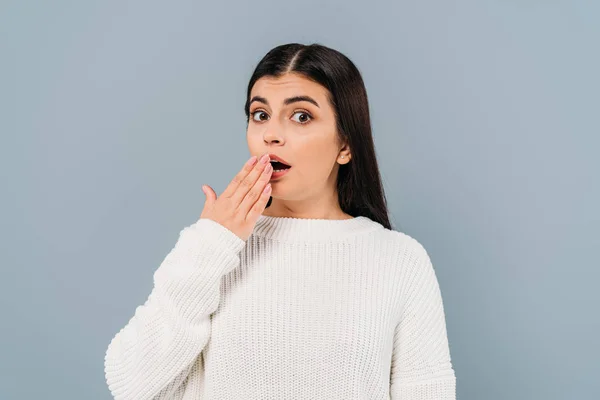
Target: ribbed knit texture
[[304, 309]]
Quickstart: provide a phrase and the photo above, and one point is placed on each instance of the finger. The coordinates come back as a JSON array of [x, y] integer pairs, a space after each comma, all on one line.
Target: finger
[[254, 193], [239, 177], [210, 194], [249, 181], [260, 205]]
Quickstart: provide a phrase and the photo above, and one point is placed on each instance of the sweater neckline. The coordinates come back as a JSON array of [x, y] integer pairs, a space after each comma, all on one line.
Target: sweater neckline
[[312, 229]]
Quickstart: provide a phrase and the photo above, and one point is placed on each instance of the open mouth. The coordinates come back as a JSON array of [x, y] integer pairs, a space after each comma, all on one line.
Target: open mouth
[[278, 166]]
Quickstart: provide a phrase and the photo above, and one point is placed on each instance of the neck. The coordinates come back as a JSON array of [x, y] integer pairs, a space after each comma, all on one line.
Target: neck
[[328, 216], [310, 211]]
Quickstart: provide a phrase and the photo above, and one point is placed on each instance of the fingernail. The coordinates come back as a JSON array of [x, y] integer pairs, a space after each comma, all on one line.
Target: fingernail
[[265, 158], [252, 160]]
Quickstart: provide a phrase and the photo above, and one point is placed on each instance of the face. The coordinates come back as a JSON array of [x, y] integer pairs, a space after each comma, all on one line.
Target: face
[[302, 133]]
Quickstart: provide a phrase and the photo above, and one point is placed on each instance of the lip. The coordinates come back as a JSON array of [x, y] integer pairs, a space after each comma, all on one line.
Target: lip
[[277, 158], [277, 175]]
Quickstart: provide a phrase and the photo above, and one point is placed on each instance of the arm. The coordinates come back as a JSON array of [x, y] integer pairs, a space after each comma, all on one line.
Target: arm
[[151, 356], [421, 365]]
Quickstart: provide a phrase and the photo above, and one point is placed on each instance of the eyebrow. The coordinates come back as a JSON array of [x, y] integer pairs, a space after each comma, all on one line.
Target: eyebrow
[[287, 101]]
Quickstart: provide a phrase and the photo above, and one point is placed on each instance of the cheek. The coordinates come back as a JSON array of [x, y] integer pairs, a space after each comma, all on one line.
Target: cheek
[[254, 141], [313, 170], [316, 156]]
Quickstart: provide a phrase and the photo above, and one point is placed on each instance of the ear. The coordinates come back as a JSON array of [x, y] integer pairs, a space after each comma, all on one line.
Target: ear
[[345, 151]]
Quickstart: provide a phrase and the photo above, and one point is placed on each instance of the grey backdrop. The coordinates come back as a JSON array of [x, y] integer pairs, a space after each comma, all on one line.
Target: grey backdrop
[[485, 116]]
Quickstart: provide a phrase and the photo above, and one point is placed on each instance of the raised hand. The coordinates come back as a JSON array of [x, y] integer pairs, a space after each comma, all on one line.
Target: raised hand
[[244, 199]]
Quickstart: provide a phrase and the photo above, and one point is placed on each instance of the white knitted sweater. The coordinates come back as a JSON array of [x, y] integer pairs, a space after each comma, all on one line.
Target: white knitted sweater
[[304, 309]]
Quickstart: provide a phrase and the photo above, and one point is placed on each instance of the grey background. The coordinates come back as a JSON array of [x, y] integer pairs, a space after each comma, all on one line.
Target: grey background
[[485, 116]]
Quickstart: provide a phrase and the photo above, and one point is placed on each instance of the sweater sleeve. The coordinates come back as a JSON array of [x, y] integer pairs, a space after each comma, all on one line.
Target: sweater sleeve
[[421, 364], [151, 356]]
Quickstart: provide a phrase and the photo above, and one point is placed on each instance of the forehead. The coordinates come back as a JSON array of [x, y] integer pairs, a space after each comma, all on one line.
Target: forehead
[[286, 86]]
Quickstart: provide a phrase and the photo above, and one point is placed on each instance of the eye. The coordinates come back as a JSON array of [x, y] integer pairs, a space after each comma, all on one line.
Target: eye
[[257, 112], [305, 120]]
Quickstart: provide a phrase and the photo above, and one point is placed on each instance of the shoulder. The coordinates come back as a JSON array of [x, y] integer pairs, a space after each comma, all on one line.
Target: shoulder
[[411, 270], [404, 243], [392, 248]]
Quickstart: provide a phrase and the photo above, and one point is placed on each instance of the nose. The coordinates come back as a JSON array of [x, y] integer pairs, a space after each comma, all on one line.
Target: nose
[[272, 135]]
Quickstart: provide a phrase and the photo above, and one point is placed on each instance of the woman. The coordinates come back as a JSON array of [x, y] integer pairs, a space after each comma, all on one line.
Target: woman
[[291, 284]]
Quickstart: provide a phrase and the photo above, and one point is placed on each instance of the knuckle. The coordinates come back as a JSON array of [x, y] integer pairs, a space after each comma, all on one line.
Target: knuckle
[[249, 185], [246, 183], [253, 194]]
